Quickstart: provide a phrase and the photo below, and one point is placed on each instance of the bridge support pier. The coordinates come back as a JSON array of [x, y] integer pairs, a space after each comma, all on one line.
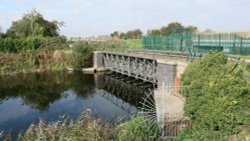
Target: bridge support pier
[[166, 73], [98, 62], [98, 59], [169, 106]]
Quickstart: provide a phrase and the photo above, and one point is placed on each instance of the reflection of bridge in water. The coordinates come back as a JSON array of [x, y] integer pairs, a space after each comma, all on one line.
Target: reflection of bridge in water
[[126, 93]]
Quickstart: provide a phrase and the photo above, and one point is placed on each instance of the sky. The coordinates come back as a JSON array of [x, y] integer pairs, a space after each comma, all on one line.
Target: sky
[[85, 18]]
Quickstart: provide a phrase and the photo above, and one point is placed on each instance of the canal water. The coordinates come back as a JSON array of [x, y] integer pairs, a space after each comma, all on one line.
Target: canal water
[[25, 98]]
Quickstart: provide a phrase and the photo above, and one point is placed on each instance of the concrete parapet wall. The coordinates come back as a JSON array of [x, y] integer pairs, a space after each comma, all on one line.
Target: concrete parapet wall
[[98, 59], [166, 73]]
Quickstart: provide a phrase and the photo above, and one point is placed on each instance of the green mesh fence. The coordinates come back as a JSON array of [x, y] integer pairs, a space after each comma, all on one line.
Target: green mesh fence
[[229, 43]]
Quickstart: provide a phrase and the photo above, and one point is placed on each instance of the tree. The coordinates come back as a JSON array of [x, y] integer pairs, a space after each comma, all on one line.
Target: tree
[[174, 27], [154, 32], [122, 35], [192, 29], [137, 33], [115, 34], [33, 24], [134, 34]]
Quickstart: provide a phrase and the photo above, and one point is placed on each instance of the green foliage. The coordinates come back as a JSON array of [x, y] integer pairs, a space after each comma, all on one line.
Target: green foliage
[[132, 34], [33, 24], [85, 128], [135, 43], [15, 45], [115, 34], [137, 129], [200, 135], [172, 28], [80, 56], [154, 32], [216, 98], [32, 61], [167, 30], [88, 128]]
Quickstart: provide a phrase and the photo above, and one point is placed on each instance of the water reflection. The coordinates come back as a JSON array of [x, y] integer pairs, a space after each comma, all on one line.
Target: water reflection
[[127, 89], [25, 98], [40, 90]]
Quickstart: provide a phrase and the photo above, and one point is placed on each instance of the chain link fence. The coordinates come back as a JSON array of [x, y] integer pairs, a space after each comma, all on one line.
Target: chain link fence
[[230, 43]]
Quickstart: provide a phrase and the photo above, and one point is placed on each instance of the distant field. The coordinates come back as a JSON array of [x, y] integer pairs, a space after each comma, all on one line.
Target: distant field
[[134, 43]]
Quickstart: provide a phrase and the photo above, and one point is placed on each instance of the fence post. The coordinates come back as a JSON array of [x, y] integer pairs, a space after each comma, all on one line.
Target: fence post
[[199, 38]]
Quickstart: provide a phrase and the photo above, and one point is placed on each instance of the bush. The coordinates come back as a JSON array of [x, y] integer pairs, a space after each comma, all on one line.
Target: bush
[[216, 98], [81, 55], [16, 45], [137, 129]]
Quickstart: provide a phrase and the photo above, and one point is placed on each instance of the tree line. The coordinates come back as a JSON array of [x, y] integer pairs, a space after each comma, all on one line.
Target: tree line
[[174, 27], [132, 34]]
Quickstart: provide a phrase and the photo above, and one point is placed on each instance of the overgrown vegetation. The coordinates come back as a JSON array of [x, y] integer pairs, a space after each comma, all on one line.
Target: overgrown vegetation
[[135, 43], [217, 99], [16, 45], [31, 44], [81, 55], [137, 129], [85, 128], [88, 128], [32, 61]]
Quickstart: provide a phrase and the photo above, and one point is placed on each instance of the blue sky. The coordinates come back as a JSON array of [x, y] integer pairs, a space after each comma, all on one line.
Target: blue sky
[[101, 17]]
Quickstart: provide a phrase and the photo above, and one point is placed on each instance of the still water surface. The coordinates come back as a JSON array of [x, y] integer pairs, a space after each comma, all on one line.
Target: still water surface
[[25, 98]]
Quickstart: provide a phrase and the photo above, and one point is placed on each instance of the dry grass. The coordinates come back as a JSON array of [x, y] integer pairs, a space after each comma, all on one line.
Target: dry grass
[[25, 62], [84, 129]]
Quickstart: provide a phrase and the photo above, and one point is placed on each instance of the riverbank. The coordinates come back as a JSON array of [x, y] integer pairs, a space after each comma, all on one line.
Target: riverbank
[[75, 57], [32, 61], [87, 127]]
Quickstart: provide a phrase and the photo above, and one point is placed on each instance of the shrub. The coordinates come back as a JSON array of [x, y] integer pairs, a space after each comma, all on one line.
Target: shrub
[[16, 45], [216, 98], [137, 129], [81, 55]]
